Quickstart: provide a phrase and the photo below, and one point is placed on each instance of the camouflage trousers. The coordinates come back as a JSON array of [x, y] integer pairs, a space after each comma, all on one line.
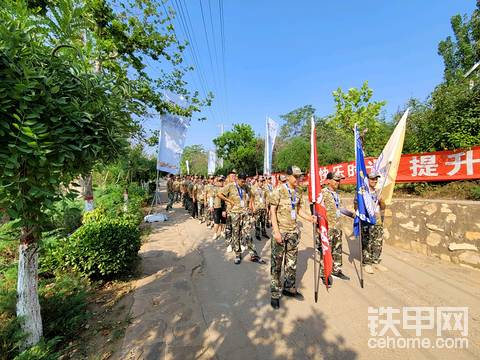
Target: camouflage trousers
[[335, 238], [228, 230], [208, 216], [260, 221], [242, 233], [201, 210], [171, 199], [288, 252], [372, 242]]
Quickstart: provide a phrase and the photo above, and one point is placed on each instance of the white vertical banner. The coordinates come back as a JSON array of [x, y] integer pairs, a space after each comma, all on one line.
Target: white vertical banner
[[212, 161], [188, 167], [171, 142], [270, 136]]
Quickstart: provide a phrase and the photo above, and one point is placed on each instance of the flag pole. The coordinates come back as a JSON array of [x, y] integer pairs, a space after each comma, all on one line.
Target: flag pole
[[315, 272], [360, 233]]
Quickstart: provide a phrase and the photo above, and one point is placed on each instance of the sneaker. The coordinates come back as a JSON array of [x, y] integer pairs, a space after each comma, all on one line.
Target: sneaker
[[215, 236], [368, 269], [275, 303], [380, 267], [339, 274], [257, 237], [257, 259], [330, 281], [243, 247], [237, 260], [265, 235], [229, 248], [295, 294]]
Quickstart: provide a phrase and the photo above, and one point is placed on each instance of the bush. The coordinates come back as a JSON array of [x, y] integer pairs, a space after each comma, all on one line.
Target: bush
[[102, 249], [475, 193], [66, 216]]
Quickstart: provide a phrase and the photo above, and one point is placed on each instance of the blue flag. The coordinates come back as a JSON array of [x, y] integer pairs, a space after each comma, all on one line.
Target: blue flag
[[365, 204]]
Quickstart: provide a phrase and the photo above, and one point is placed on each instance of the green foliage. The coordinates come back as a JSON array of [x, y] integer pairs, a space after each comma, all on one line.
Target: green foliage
[[295, 152], [133, 166], [65, 216], [63, 301], [297, 122], [356, 107], [64, 306], [197, 160], [240, 150], [104, 248], [462, 52]]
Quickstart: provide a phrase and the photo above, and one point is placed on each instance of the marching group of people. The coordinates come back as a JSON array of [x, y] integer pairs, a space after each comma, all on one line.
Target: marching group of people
[[239, 209]]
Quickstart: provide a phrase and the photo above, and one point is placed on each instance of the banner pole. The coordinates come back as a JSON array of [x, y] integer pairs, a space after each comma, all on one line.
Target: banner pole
[[361, 255], [315, 272]]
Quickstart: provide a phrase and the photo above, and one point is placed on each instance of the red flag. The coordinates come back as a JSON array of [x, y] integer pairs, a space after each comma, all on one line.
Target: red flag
[[315, 195]]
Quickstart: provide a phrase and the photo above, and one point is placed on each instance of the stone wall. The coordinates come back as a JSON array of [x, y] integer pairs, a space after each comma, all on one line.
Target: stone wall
[[446, 229]]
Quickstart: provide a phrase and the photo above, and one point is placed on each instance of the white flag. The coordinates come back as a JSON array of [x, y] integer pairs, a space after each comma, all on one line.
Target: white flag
[[270, 136], [171, 142], [188, 167], [212, 161], [388, 161]]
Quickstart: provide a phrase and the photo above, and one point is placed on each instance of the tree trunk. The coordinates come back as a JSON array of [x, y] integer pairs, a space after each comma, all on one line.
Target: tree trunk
[[87, 191], [28, 305]]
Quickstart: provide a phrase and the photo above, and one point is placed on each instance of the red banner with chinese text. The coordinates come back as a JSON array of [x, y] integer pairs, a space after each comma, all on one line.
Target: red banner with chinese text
[[423, 167]]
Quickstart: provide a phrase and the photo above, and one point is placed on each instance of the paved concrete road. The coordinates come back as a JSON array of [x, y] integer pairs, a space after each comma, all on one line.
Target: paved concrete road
[[194, 303]]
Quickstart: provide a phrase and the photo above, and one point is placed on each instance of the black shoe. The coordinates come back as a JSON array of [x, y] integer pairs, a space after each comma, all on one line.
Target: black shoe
[[257, 237], [268, 226], [257, 259], [295, 295], [339, 274], [330, 281], [237, 260], [265, 235], [275, 303]]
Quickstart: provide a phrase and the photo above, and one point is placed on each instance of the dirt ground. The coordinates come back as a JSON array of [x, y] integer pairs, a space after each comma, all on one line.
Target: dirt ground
[[192, 302]]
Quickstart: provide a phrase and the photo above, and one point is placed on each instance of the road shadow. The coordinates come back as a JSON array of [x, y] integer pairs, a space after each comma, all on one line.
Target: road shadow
[[199, 305]]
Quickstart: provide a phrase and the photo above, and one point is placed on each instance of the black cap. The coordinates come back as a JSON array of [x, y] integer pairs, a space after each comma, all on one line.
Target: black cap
[[242, 176]]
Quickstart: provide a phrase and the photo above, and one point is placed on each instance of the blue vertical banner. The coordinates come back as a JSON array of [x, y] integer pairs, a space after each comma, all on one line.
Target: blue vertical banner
[[171, 142], [365, 205]]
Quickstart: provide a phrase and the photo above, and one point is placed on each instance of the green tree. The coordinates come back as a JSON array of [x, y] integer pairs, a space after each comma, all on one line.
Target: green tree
[[356, 107], [297, 122], [58, 120], [240, 150], [462, 51], [295, 152], [450, 118], [197, 159]]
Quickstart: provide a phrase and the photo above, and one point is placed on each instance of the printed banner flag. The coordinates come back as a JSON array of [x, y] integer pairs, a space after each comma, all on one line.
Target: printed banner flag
[[171, 142], [270, 136], [365, 206], [188, 167], [389, 160], [447, 165], [212, 161], [315, 195]]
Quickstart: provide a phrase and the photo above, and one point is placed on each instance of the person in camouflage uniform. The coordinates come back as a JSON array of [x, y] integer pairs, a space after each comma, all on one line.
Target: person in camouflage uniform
[[268, 193], [231, 178], [372, 235], [209, 200], [176, 189], [170, 192], [239, 200], [260, 204], [332, 203], [285, 209], [192, 193], [200, 197]]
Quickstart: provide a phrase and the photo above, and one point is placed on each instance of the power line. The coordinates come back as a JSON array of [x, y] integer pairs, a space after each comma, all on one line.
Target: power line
[[192, 48]]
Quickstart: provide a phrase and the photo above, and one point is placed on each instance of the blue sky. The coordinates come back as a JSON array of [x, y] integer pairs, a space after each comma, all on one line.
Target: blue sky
[[281, 55]]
